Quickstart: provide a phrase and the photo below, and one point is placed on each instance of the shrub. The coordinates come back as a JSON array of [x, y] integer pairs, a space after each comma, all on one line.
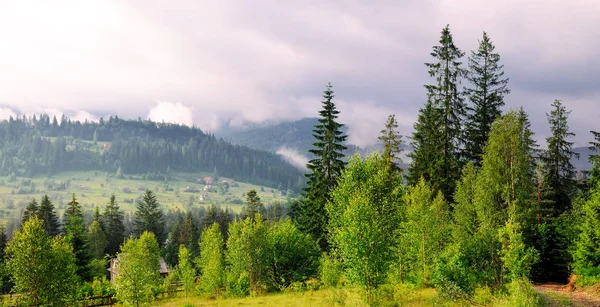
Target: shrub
[[331, 271], [521, 294]]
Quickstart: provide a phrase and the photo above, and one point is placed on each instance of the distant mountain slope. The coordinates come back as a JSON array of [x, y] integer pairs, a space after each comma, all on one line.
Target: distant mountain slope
[[44, 146], [583, 162], [295, 135]]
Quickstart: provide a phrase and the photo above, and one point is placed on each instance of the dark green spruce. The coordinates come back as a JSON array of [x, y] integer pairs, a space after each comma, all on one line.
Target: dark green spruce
[[112, 224], [324, 170], [486, 93], [438, 132], [149, 217], [76, 236]]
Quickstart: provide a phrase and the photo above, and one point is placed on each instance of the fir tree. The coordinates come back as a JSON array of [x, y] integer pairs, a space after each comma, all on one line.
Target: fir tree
[[392, 142], [324, 170], [112, 221], [149, 217], [48, 215], [32, 210], [76, 236], [559, 173], [253, 205], [441, 119], [486, 93], [595, 159], [189, 235]]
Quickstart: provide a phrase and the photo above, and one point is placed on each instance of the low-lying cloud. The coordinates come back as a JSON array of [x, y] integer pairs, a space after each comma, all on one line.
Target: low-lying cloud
[[293, 157], [171, 112]]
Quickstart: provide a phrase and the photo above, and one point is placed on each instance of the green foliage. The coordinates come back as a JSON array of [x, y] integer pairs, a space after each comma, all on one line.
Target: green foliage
[[135, 148], [516, 256], [392, 142], [522, 294], [185, 270], [246, 256], [42, 268], [112, 224], [138, 270], [486, 92], [149, 217], [364, 214], [331, 271], [293, 256], [253, 205], [76, 236], [437, 137], [425, 232], [586, 254], [97, 240], [559, 173], [211, 262], [324, 171]]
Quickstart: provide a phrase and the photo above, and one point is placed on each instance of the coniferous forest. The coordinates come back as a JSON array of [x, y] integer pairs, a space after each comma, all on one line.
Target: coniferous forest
[[481, 215]]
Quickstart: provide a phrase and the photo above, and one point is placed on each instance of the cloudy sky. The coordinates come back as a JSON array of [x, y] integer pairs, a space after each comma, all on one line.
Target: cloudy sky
[[215, 63]]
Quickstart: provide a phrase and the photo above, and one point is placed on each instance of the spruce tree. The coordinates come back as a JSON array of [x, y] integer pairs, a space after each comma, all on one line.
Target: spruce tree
[[595, 160], [76, 237], [48, 215], [324, 170], [189, 235], [486, 93], [392, 142], [559, 173], [441, 119], [32, 210], [149, 217], [112, 221], [253, 205]]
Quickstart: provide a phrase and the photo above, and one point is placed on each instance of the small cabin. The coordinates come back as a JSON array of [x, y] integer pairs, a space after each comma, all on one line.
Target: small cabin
[[164, 270]]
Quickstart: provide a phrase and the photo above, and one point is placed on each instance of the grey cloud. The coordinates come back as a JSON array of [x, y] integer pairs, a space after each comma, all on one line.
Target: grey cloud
[[232, 62]]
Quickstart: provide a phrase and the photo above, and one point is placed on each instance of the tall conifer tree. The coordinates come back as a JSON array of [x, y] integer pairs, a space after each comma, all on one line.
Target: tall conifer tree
[[559, 173], [48, 215], [76, 236], [149, 217], [392, 142], [438, 133], [486, 93], [112, 221], [324, 170]]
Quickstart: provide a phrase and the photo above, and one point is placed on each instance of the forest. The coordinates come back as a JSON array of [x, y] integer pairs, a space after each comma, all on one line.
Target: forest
[[481, 215], [45, 146]]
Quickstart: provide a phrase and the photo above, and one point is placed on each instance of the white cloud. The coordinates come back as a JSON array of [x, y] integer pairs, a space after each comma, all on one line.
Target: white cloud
[[294, 157], [6, 113], [171, 112]]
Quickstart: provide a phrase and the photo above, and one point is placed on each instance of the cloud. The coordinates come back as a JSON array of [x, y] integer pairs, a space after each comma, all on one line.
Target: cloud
[[252, 61], [294, 157], [6, 113], [171, 112]]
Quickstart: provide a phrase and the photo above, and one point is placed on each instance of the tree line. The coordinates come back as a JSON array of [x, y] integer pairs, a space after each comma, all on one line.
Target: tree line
[[480, 208], [44, 146]]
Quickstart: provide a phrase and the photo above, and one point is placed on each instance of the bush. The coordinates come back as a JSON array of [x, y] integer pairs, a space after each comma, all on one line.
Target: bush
[[453, 276], [331, 271], [521, 294], [238, 285]]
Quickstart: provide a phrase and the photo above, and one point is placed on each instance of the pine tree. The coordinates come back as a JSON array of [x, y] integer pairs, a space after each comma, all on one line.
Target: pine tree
[[595, 159], [48, 215], [112, 221], [76, 237], [486, 93], [97, 240], [324, 170], [32, 210], [559, 173], [253, 205], [189, 235], [149, 217], [392, 142], [441, 120]]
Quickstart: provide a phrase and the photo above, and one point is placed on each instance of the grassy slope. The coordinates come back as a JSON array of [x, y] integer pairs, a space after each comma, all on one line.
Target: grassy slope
[[337, 297], [94, 194]]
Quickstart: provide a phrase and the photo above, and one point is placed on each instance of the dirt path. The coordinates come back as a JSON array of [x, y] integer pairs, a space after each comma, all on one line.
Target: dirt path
[[558, 295]]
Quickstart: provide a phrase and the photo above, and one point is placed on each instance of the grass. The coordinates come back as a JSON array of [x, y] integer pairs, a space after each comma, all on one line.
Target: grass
[[327, 297], [93, 188]]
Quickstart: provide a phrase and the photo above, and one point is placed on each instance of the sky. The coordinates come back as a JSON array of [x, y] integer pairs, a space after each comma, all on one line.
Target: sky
[[224, 63]]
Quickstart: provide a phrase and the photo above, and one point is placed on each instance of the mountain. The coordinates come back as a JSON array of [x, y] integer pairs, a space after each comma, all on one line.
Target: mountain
[[294, 135], [43, 146]]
